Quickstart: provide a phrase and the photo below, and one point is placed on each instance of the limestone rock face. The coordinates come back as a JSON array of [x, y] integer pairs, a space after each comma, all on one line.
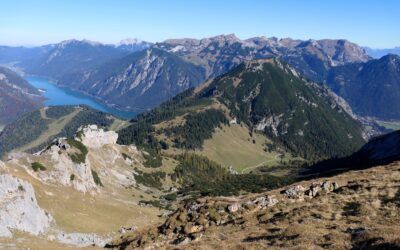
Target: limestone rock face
[[102, 152], [63, 168], [2, 165], [19, 209], [94, 137]]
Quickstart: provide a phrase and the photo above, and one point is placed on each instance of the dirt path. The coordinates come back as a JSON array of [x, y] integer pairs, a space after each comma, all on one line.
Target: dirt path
[[43, 113], [260, 164]]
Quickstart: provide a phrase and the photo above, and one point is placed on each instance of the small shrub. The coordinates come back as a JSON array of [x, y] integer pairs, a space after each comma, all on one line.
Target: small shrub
[[170, 197], [152, 160], [164, 145], [21, 188], [150, 179], [78, 157], [352, 209], [36, 166], [72, 177], [96, 179], [125, 156]]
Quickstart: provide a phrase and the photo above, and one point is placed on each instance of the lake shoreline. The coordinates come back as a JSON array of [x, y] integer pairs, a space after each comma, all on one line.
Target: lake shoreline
[[56, 95], [65, 87]]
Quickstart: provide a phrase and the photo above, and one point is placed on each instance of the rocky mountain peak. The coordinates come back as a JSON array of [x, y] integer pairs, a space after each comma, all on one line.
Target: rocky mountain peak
[[66, 43], [225, 38]]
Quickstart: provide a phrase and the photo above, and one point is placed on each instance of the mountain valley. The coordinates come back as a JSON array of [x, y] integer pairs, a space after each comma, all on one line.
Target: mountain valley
[[137, 79], [237, 144]]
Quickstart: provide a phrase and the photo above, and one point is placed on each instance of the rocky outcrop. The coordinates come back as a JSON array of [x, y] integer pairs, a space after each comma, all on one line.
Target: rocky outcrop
[[64, 171], [93, 137], [295, 192], [67, 172], [194, 219], [19, 209], [80, 239], [188, 222], [300, 192], [2, 165]]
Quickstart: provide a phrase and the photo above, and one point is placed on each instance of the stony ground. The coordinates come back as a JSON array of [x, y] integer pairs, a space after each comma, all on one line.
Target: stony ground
[[354, 210]]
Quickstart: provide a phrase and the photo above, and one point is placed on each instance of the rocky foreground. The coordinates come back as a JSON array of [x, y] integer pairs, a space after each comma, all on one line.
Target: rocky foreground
[[67, 195], [355, 210]]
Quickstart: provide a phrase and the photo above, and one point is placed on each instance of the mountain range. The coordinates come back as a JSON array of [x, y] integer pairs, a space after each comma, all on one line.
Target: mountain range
[[137, 75], [371, 88], [248, 143], [137, 81], [378, 53]]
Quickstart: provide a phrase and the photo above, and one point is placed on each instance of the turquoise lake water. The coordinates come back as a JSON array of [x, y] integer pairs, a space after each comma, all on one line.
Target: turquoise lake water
[[57, 96]]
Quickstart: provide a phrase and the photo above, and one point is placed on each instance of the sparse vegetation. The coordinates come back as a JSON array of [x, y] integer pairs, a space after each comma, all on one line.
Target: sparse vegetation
[[153, 179], [96, 178], [170, 197], [21, 188], [352, 209], [81, 156], [126, 157], [152, 160]]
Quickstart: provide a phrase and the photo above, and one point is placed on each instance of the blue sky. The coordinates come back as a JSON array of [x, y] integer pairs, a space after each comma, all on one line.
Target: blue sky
[[33, 22]]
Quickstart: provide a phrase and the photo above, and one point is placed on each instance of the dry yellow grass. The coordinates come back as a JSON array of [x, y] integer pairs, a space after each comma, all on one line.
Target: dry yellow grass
[[233, 146], [364, 213], [119, 124]]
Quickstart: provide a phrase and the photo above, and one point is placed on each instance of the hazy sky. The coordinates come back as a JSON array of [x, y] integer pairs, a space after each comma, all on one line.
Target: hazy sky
[[33, 22]]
